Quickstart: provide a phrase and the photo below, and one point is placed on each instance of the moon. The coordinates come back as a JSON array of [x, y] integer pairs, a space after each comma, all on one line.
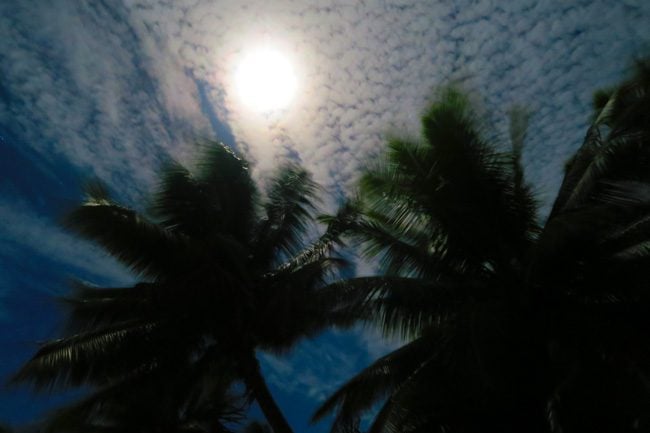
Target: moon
[[265, 80]]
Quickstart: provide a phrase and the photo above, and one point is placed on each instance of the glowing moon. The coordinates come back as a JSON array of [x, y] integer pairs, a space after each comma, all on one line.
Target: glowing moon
[[265, 80]]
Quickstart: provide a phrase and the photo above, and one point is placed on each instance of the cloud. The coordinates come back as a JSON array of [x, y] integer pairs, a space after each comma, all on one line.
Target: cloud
[[375, 343], [78, 81], [27, 235], [114, 88], [369, 67], [315, 368]]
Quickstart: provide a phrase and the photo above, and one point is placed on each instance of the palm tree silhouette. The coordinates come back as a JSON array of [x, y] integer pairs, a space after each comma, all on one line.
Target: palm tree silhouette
[[223, 272], [511, 326], [193, 398]]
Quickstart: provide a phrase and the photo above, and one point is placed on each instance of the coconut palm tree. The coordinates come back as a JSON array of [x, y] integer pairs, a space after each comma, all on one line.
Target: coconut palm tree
[[510, 326], [224, 274]]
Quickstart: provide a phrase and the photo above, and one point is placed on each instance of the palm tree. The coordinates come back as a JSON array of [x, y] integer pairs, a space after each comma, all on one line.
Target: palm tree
[[511, 326], [224, 274]]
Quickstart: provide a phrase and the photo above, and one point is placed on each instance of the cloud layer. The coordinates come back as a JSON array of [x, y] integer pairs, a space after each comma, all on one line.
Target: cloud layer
[[115, 88], [369, 68]]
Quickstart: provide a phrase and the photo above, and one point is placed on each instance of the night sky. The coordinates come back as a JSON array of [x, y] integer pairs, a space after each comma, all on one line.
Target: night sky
[[112, 89]]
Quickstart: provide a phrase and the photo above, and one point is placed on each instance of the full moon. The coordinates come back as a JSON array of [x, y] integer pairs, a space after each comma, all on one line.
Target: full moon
[[265, 80]]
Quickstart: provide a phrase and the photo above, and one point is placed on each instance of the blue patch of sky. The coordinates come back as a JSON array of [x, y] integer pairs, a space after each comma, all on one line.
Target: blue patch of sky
[[30, 281], [221, 129], [44, 184], [301, 379]]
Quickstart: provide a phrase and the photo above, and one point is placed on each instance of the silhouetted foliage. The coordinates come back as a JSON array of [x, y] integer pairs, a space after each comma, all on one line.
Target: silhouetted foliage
[[188, 398], [510, 326], [257, 427], [224, 273]]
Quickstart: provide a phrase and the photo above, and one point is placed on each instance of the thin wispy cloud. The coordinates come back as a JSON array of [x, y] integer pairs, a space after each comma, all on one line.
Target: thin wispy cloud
[[24, 233], [79, 81], [314, 368]]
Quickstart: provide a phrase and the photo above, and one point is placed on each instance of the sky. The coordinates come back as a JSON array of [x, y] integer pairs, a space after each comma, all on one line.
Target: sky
[[112, 89]]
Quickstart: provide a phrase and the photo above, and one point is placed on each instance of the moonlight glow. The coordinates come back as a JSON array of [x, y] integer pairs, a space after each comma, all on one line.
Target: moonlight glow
[[265, 80]]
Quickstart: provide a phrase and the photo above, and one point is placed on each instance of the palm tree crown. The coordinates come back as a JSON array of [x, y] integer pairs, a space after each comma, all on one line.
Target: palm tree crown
[[223, 272], [511, 326]]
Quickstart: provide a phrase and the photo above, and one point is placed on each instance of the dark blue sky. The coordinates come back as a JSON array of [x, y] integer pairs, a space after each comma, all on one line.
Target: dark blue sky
[[112, 89]]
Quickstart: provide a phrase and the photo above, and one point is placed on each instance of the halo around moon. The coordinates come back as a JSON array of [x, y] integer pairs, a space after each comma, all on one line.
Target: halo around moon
[[265, 80]]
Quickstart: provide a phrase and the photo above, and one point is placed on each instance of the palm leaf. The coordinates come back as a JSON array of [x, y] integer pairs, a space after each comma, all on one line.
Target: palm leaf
[[293, 306], [620, 130], [200, 401], [219, 200], [406, 306], [403, 410], [88, 357], [136, 242], [229, 187], [376, 381], [91, 307], [289, 207], [182, 205], [455, 184], [337, 226]]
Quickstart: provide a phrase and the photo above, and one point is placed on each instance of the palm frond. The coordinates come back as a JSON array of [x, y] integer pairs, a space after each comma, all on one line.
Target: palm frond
[[456, 184], [292, 305], [141, 245], [521, 193], [337, 226], [377, 381], [602, 158], [219, 200], [89, 357], [619, 132], [182, 204], [629, 231], [405, 408], [196, 398], [91, 307], [230, 188], [92, 412], [289, 209], [403, 306], [414, 252], [257, 427]]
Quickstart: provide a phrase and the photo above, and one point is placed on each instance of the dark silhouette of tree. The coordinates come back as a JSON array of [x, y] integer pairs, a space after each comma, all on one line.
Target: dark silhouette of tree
[[257, 427], [511, 326], [193, 398], [224, 273]]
